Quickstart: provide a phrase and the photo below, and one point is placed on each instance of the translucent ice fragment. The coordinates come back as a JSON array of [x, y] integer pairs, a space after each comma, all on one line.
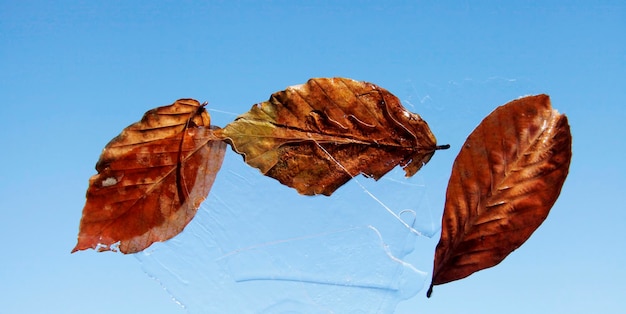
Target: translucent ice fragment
[[256, 246]]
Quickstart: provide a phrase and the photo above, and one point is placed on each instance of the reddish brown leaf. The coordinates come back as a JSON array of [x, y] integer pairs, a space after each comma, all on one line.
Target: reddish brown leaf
[[504, 181], [151, 179], [316, 136]]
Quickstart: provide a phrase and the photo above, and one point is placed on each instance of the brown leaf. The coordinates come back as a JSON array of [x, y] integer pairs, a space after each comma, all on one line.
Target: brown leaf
[[151, 179], [316, 136], [504, 181]]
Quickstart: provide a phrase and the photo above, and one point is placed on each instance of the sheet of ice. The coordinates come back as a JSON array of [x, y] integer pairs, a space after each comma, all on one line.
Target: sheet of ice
[[257, 246]]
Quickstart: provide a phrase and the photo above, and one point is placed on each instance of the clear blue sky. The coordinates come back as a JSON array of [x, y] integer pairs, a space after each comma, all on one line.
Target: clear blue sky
[[74, 73]]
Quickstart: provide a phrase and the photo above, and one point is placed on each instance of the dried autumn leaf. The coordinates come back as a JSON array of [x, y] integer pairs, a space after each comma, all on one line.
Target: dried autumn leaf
[[317, 136], [151, 179], [504, 181]]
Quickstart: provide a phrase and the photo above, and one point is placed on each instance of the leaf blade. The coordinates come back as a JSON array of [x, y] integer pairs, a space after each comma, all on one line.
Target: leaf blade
[[316, 136], [151, 179], [504, 181]]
